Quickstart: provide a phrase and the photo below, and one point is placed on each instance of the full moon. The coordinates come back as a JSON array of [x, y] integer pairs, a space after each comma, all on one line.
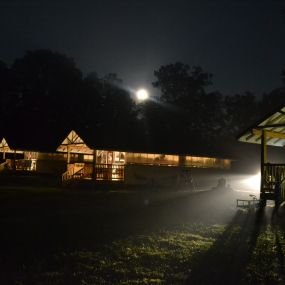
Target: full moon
[[142, 94]]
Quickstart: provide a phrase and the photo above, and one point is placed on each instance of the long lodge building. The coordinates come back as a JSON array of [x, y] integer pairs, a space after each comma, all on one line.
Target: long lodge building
[[77, 157]]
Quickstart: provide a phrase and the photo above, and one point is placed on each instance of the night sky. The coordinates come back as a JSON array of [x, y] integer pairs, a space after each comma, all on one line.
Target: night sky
[[241, 42]]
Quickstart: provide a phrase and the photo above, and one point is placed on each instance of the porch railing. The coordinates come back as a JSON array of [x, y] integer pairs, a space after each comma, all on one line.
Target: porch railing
[[102, 172], [273, 181], [25, 164], [109, 172], [273, 173], [282, 190], [66, 176], [3, 166], [70, 174]]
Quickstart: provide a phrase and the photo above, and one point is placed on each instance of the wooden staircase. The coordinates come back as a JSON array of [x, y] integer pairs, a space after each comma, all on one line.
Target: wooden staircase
[[73, 173], [3, 166]]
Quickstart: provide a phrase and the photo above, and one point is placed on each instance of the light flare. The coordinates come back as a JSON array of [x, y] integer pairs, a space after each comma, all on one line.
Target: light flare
[[253, 182]]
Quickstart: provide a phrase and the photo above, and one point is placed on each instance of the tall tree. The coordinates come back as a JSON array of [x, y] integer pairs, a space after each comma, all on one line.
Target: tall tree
[[188, 113], [273, 100], [4, 86], [242, 110], [118, 115], [47, 90], [48, 85], [180, 84]]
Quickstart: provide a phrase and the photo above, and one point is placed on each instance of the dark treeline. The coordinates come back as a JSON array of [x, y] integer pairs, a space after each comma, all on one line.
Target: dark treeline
[[44, 89]]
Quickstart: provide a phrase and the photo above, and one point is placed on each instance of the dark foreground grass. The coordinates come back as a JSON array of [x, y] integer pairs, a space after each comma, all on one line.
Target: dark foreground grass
[[159, 258], [57, 236]]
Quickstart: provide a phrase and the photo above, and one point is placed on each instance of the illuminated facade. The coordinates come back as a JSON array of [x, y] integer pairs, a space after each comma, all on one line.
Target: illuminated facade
[[76, 159], [131, 167]]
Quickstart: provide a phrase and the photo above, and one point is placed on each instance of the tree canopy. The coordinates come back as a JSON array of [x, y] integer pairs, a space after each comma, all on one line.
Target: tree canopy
[[47, 89]]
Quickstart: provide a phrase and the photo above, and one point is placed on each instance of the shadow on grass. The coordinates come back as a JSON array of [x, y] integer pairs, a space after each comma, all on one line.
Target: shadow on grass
[[226, 262]]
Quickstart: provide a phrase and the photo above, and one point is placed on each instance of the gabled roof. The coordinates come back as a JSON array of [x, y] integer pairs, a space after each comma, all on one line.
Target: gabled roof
[[273, 124], [4, 147], [85, 142], [75, 144]]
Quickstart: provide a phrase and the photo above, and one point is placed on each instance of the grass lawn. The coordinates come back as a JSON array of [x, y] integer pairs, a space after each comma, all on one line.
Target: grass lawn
[[59, 236]]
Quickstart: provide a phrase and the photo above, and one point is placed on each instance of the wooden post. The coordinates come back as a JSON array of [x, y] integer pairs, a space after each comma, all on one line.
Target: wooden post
[[68, 154], [263, 159], [14, 166], [94, 165]]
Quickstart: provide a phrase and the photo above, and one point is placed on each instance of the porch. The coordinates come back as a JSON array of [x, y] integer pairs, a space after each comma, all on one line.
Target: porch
[[273, 183], [269, 132], [97, 172]]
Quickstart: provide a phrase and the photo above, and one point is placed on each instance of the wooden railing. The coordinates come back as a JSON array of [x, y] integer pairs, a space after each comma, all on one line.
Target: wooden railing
[[79, 174], [25, 164], [102, 172], [282, 190], [274, 171], [273, 181], [66, 176], [273, 174], [3, 166], [109, 172], [70, 174]]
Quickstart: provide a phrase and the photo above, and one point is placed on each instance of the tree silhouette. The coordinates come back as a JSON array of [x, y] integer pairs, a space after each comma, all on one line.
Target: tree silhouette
[[189, 114], [47, 90], [242, 110], [4, 87]]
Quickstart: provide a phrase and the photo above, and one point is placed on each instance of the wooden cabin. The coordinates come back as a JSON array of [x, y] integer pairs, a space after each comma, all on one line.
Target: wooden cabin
[[269, 131]]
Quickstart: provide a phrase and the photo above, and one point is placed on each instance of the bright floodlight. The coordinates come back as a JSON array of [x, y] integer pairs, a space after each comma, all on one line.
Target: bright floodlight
[[253, 182], [142, 94]]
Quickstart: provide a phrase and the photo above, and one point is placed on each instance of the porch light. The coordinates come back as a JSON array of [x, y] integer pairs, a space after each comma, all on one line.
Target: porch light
[[253, 182]]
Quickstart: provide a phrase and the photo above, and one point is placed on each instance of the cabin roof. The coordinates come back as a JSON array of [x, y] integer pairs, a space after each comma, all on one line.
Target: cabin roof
[[48, 139], [4, 145], [273, 124], [83, 142]]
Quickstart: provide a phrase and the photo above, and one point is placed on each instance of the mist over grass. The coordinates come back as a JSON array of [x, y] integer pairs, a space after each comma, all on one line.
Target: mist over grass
[[58, 236]]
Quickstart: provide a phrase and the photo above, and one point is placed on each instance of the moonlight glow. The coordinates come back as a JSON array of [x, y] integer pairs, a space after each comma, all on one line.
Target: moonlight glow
[[142, 94]]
